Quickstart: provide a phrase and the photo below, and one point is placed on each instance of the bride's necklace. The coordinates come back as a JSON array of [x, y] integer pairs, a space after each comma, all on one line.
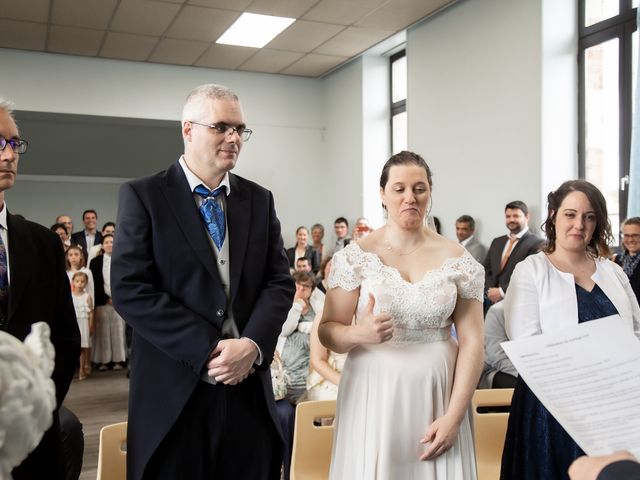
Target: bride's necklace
[[402, 254]]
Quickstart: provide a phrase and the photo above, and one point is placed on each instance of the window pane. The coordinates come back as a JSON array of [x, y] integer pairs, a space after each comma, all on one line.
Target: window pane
[[399, 79], [634, 3], [602, 165], [597, 10], [399, 132], [634, 68]]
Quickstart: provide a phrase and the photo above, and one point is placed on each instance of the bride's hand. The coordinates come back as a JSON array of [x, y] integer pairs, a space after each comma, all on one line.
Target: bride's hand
[[376, 328], [440, 436]]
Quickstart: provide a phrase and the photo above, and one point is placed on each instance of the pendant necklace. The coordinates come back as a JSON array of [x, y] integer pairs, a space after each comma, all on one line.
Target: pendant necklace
[[402, 254]]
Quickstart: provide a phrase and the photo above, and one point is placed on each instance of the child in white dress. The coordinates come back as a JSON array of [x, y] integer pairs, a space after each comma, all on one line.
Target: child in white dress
[[75, 262], [83, 305]]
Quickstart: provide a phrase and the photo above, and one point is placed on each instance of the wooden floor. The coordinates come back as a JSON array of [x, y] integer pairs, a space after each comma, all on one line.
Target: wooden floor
[[97, 401]]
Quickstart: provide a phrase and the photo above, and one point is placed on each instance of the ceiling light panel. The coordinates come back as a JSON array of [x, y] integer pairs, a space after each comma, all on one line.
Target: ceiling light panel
[[254, 30]]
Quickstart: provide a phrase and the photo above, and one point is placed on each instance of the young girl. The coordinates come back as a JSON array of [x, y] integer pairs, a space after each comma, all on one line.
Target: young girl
[[75, 261], [83, 305]]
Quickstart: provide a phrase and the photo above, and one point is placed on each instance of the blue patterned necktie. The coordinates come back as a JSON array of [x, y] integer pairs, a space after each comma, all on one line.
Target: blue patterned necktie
[[4, 286], [212, 213]]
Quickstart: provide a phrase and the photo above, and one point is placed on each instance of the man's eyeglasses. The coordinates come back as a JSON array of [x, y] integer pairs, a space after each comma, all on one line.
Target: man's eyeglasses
[[630, 236], [17, 144], [224, 128]]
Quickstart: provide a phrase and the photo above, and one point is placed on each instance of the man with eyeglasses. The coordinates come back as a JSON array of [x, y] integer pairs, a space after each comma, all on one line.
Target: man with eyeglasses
[[200, 274], [629, 259], [34, 288]]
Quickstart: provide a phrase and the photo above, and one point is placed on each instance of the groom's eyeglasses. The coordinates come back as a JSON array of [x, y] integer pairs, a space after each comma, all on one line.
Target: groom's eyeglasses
[[224, 128]]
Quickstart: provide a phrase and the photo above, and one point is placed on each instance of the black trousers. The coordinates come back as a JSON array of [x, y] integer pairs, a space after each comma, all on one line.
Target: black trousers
[[223, 432], [47, 461], [503, 380], [72, 442]]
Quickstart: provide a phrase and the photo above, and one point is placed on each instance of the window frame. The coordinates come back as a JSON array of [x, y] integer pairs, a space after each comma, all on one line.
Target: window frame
[[400, 106], [621, 27]]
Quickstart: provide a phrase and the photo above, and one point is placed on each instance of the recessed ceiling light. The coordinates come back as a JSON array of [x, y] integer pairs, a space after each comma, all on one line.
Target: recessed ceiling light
[[254, 30]]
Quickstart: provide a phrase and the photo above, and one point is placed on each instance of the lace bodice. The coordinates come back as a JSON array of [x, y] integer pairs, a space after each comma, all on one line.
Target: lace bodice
[[421, 311]]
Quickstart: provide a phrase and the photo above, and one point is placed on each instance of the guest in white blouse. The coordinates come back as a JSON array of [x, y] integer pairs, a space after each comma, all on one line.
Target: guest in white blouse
[[570, 282]]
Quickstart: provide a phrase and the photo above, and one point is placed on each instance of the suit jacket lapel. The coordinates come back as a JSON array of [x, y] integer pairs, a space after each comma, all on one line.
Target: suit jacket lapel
[[239, 221], [518, 246], [20, 264], [180, 200]]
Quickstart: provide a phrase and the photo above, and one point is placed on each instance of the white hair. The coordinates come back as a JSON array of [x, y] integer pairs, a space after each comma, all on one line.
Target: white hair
[[27, 394], [195, 105], [6, 106]]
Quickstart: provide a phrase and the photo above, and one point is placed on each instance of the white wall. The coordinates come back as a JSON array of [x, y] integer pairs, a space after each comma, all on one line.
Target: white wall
[[475, 98], [340, 172], [287, 114], [376, 138]]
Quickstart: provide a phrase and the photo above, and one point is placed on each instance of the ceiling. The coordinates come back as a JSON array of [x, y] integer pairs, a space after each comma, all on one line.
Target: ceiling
[[327, 33]]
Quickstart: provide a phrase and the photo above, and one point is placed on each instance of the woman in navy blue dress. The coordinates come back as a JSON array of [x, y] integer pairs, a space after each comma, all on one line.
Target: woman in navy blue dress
[[570, 282]]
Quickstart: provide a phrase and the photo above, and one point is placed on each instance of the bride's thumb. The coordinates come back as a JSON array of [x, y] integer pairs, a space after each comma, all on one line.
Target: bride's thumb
[[372, 303]]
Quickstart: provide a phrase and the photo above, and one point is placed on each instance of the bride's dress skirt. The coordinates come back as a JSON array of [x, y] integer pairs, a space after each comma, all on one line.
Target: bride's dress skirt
[[389, 395]]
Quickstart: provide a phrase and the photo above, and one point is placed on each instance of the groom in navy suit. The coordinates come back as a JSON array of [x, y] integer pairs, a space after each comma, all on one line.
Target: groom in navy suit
[[199, 272]]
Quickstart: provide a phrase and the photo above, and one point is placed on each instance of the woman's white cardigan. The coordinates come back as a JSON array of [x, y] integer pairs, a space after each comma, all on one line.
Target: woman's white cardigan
[[542, 299]]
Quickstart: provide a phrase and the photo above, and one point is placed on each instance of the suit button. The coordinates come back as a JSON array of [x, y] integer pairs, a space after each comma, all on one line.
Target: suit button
[[220, 312]]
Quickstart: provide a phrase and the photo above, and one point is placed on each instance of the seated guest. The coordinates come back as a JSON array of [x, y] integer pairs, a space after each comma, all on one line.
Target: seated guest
[[498, 371], [317, 234], [629, 260], [302, 249], [303, 264], [326, 367], [293, 348], [323, 275]]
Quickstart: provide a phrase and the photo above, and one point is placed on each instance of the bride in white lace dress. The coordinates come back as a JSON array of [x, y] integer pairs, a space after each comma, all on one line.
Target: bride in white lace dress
[[403, 401]]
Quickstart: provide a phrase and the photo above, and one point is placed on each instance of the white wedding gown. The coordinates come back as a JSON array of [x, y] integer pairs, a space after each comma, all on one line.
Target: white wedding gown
[[390, 393]]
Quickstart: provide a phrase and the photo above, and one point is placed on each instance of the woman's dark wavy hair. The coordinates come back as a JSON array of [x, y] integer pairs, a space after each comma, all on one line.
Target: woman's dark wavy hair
[[404, 158], [602, 236]]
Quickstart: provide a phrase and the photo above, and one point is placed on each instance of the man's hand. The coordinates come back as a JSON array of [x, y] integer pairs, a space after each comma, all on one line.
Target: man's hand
[[232, 360], [494, 295], [588, 468]]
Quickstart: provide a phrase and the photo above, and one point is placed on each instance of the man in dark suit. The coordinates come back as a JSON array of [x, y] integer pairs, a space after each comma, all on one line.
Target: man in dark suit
[[507, 251], [90, 236], [34, 288], [199, 272]]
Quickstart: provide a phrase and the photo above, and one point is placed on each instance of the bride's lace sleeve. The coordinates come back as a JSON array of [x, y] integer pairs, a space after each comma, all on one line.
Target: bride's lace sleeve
[[344, 270], [470, 282]]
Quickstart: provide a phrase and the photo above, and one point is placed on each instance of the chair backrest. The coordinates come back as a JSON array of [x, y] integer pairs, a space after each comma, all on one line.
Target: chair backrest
[[112, 455], [490, 428], [312, 443]]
